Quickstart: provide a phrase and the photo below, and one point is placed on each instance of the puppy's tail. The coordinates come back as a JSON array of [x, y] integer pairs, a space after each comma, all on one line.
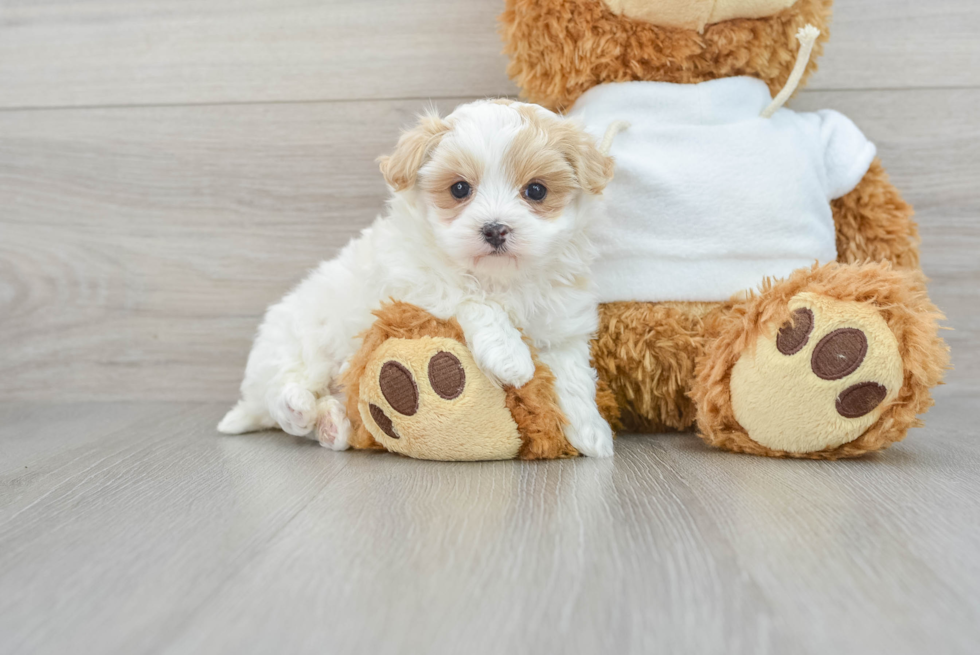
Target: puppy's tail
[[614, 128], [240, 420]]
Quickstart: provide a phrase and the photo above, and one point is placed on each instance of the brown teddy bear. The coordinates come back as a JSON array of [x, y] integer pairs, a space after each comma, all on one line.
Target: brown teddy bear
[[715, 313]]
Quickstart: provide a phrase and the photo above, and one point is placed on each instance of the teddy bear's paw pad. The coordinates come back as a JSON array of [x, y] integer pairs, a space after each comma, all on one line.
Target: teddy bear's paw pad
[[398, 387], [446, 375], [384, 423], [426, 398], [822, 381]]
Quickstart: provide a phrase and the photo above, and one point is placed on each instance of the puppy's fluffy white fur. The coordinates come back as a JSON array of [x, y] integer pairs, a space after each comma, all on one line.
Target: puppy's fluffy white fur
[[432, 249]]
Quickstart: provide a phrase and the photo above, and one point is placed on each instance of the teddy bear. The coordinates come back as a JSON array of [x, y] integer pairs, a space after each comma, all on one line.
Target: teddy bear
[[759, 275]]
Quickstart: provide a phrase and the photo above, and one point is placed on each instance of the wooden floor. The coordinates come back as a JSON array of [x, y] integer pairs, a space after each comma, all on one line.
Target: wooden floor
[[133, 528], [167, 169]]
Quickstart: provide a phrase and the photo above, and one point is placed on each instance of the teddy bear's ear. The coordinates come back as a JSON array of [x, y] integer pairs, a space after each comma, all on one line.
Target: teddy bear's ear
[[593, 168], [401, 167]]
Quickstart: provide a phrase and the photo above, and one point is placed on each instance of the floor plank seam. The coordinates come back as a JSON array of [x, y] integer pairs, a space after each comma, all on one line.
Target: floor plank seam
[[460, 98]]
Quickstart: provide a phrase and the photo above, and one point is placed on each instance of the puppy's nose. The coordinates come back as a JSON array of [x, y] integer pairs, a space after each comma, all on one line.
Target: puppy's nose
[[495, 234]]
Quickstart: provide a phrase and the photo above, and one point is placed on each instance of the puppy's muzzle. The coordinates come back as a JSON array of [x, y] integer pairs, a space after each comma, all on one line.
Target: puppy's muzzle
[[495, 234]]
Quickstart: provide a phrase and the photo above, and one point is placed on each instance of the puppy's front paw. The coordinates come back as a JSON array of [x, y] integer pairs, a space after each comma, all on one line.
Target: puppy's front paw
[[295, 411], [507, 362], [592, 438]]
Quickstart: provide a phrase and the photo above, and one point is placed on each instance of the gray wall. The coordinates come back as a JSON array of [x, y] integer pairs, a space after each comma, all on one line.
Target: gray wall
[[167, 169]]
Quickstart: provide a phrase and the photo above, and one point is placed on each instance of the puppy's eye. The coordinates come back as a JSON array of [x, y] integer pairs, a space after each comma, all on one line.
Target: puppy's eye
[[460, 190], [536, 191]]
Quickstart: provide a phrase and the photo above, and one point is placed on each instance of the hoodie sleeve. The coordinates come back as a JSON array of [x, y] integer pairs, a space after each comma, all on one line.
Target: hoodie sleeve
[[847, 153]]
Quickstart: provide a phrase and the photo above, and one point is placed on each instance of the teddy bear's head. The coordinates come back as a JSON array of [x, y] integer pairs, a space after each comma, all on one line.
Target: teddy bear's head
[[559, 49]]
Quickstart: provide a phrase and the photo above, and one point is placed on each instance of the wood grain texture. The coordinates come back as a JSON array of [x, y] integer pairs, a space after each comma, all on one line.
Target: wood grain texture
[[118, 52], [888, 44], [143, 242], [147, 532], [141, 245]]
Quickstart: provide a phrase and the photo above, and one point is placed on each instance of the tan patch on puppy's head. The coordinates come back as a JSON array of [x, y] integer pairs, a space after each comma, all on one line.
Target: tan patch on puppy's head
[[401, 167], [449, 166], [548, 151], [558, 154]]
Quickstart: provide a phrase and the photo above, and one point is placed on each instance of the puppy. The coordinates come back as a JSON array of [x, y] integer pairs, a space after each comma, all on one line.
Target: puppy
[[488, 222]]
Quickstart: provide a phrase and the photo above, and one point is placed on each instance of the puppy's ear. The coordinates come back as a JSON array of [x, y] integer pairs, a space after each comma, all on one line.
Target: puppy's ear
[[401, 167], [593, 169]]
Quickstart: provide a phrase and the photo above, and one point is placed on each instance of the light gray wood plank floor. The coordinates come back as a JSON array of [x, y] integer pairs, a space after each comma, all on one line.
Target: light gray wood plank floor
[[135, 528]]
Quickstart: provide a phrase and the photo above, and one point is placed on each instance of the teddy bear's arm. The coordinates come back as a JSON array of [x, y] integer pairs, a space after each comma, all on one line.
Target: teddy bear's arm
[[875, 224]]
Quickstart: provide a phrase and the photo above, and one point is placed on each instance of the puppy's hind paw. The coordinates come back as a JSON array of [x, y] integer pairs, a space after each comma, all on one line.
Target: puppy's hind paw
[[332, 425], [295, 410]]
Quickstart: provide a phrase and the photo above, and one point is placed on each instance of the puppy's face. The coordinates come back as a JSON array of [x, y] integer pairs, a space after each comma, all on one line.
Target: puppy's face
[[500, 182]]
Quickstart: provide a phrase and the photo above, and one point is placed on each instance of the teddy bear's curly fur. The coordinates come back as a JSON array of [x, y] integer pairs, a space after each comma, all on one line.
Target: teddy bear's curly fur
[[559, 49]]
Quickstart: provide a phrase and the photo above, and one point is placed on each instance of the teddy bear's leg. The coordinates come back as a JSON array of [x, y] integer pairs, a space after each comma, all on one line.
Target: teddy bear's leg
[[874, 224], [415, 389], [833, 362], [426, 398], [646, 354]]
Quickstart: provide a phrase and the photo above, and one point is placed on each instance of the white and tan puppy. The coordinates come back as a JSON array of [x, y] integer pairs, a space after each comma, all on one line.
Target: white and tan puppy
[[488, 221]]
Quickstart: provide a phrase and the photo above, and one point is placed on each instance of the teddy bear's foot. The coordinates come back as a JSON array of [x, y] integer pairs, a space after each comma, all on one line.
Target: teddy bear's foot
[[819, 382], [415, 389], [837, 370], [427, 399]]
